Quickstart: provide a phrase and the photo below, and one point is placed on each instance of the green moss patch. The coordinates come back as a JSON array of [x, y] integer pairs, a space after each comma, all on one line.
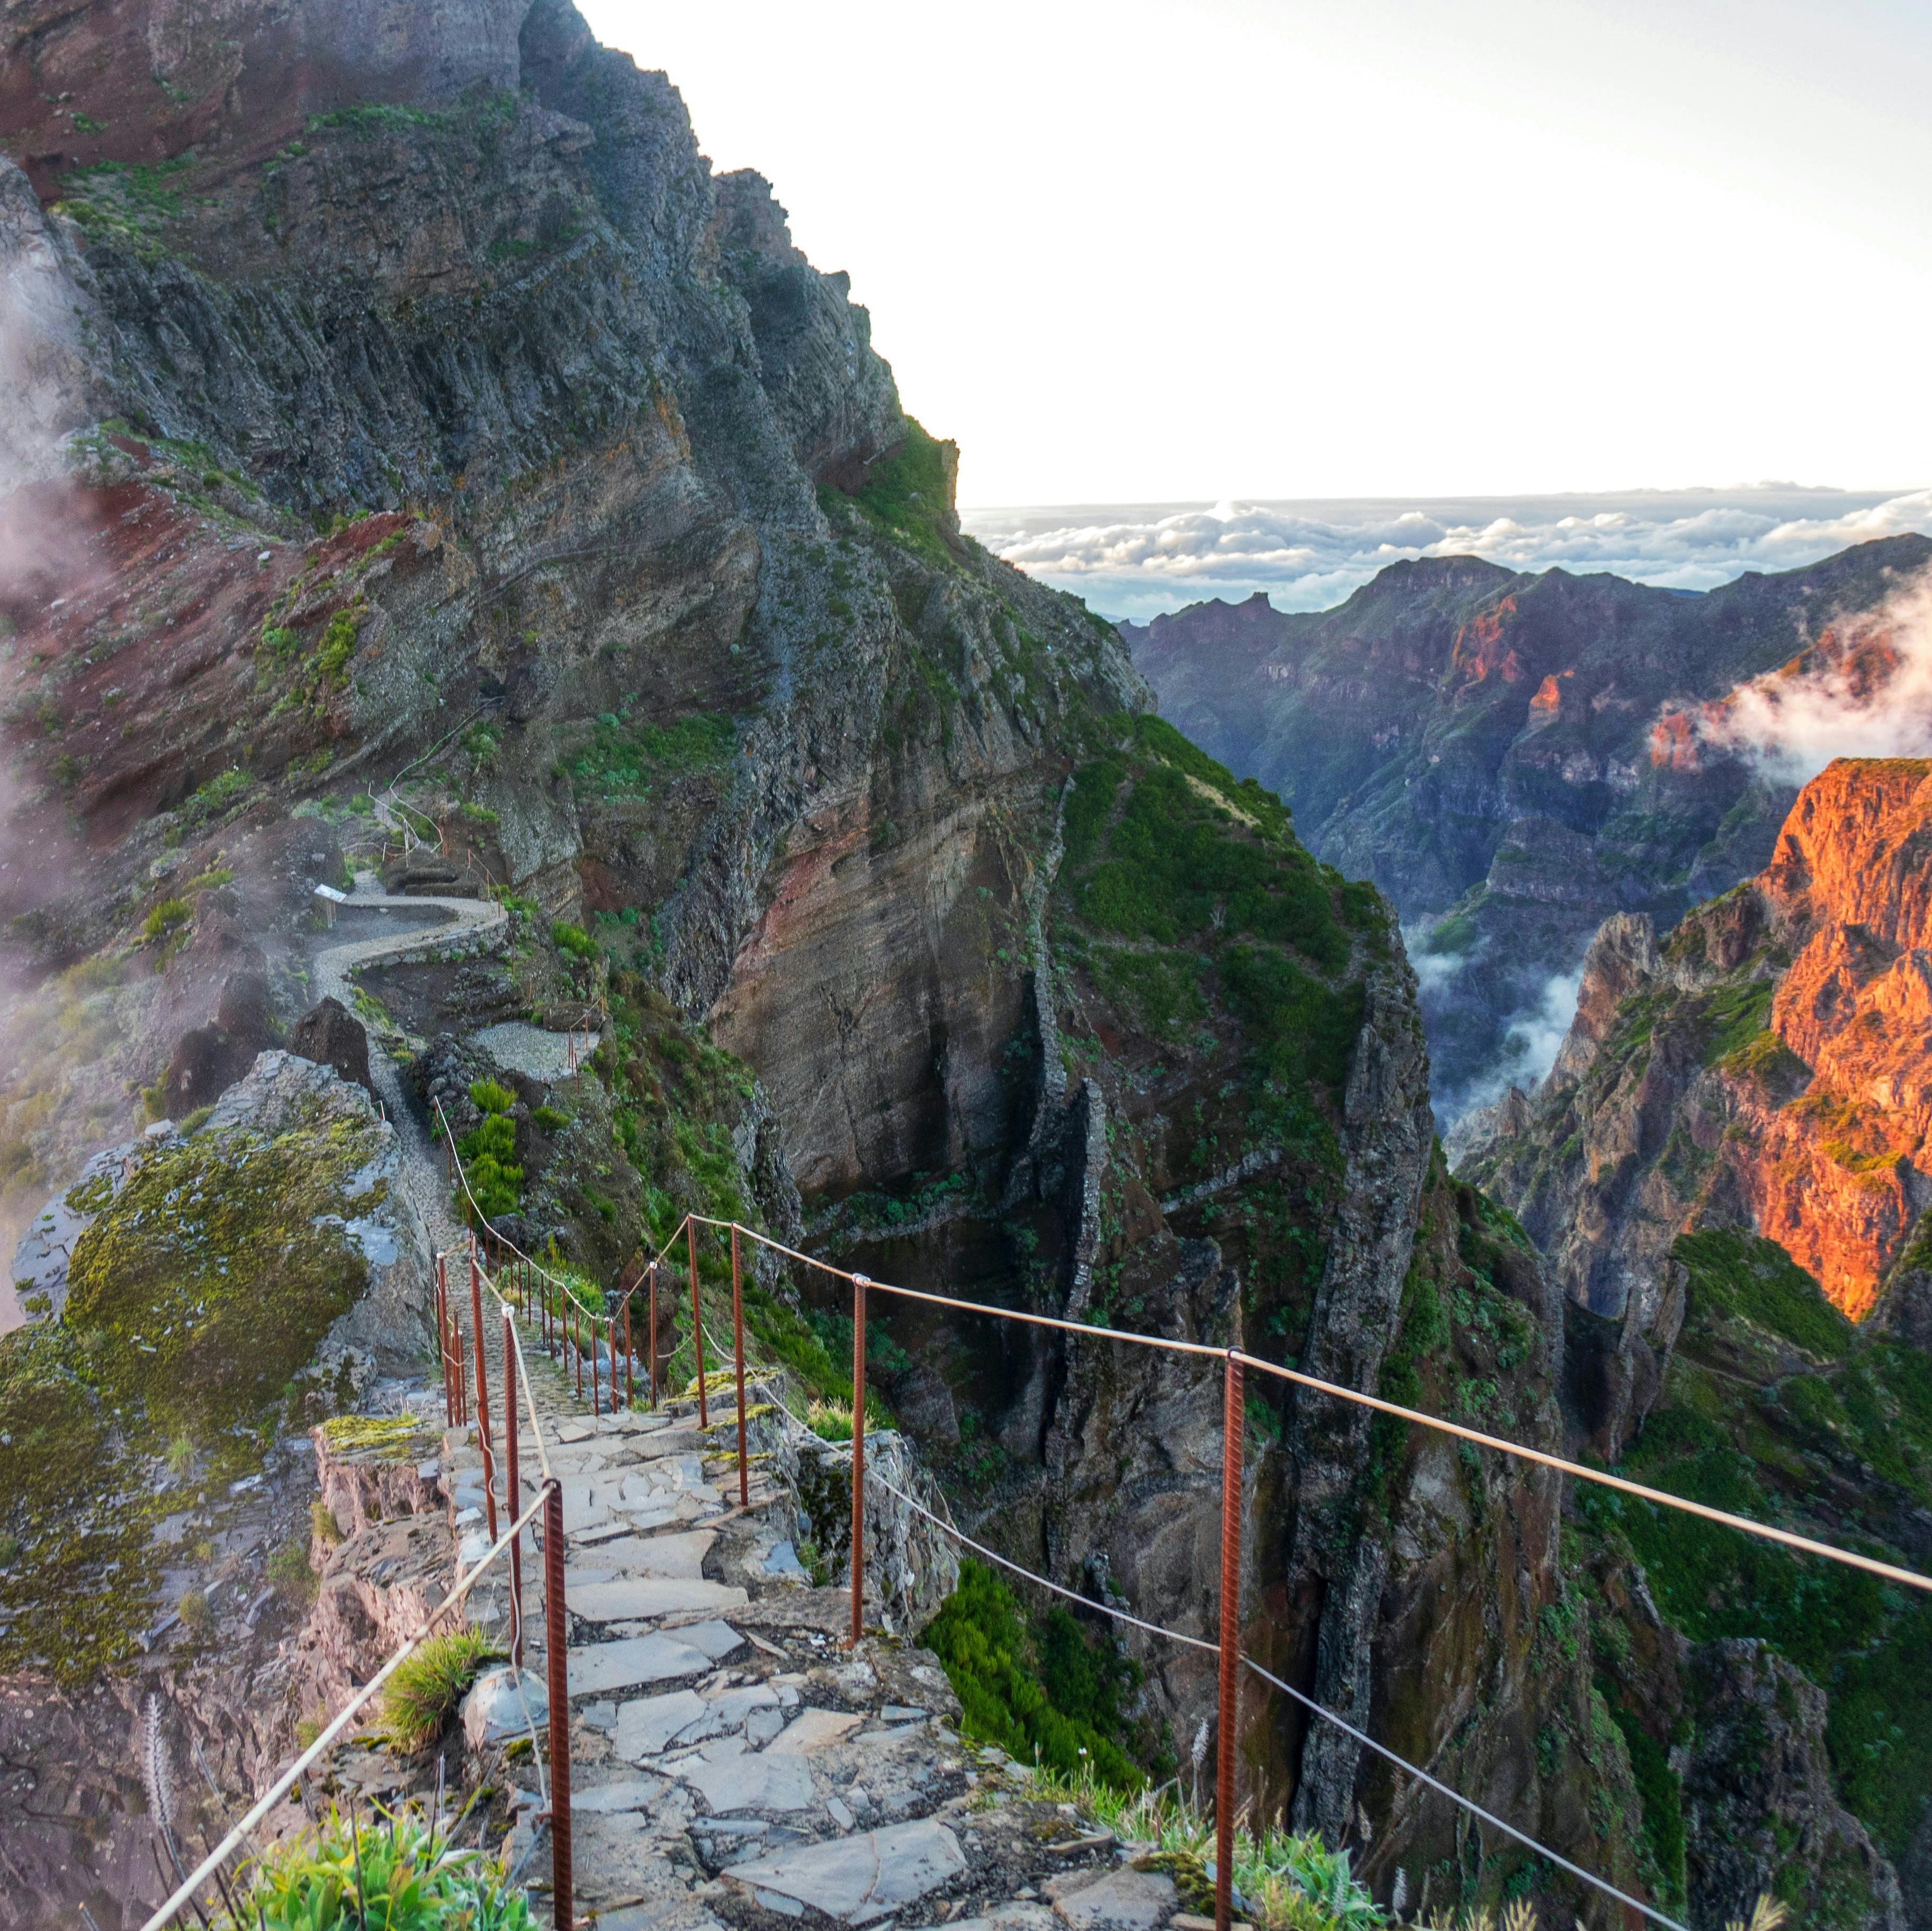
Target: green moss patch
[[195, 1301]]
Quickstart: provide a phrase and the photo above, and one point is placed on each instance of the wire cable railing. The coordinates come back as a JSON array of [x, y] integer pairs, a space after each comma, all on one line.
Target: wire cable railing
[[1307, 1702], [1234, 1361]]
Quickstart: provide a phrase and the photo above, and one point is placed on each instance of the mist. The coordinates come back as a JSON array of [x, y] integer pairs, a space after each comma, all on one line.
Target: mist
[[1863, 690]]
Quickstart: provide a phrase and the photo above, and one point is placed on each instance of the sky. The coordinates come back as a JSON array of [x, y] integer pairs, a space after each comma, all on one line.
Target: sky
[[1257, 250]]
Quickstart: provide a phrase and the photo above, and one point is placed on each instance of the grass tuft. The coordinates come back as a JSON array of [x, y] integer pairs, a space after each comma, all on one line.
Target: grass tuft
[[422, 1696]]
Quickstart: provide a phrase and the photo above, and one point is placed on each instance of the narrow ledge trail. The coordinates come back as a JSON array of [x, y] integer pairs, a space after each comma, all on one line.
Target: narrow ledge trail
[[734, 1762]]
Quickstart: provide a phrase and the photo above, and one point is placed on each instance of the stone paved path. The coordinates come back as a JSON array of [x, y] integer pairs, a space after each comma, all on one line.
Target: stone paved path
[[733, 1762]]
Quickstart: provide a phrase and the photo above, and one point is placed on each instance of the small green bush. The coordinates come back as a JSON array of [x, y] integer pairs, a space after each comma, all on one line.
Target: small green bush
[[422, 1696], [574, 939], [490, 1096], [551, 1119], [165, 919], [288, 1569], [490, 1165], [395, 1874]]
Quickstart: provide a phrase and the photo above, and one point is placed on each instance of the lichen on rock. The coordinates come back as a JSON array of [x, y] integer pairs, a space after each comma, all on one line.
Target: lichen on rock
[[236, 1280]]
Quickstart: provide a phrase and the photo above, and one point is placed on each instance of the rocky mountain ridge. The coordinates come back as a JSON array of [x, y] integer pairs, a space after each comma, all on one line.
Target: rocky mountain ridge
[[1513, 758], [435, 451]]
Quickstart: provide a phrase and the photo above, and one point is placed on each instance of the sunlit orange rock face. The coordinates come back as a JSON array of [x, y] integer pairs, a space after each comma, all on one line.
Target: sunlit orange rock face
[[1837, 1175], [1669, 1110]]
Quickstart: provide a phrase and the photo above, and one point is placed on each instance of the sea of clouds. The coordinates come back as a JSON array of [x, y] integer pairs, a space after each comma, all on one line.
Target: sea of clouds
[[1138, 560]]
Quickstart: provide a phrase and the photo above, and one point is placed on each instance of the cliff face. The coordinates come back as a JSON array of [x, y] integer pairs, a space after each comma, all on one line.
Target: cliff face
[[1766, 1068], [1724, 1171], [1512, 758]]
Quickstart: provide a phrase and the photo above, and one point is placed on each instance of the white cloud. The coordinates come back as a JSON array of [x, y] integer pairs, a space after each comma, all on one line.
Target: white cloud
[[1532, 1036], [1139, 562], [1864, 689]]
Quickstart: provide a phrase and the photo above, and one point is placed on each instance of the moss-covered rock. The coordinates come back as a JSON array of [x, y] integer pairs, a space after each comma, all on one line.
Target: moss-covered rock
[[236, 1281]]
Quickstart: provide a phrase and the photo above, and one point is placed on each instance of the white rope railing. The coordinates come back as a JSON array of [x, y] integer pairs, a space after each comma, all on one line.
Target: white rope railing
[[192, 1884]]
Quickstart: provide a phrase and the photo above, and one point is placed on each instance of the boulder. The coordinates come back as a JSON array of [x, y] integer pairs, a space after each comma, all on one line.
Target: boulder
[[504, 1704], [329, 1035], [208, 1059]]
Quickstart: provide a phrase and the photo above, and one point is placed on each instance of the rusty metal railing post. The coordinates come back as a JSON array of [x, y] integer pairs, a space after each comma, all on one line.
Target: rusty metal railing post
[[1231, 1644], [576, 1339], [442, 1338], [859, 1456], [513, 1489], [556, 1667], [482, 1391], [697, 1318], [653, 1341], [459, 1364], [738, 1355], [630, 1393]]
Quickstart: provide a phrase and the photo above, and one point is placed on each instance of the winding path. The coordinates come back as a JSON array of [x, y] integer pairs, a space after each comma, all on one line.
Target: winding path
[[458, 924]]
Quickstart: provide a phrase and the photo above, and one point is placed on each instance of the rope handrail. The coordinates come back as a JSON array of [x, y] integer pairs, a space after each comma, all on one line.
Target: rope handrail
[[1307, 1702], [191, 1884], [1660, 1498]]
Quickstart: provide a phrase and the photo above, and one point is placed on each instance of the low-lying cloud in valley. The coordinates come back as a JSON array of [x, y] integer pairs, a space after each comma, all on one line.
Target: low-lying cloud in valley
[[1863, 689], [1139, 561]]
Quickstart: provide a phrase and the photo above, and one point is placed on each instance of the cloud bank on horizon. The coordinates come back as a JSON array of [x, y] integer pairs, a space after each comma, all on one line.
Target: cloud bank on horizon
[[1138, 562]]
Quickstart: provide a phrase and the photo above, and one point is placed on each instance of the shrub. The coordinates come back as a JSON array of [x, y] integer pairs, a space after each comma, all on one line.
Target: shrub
[[397, 1874], [490, 1096], [422, 1696], [551, 1119], [488, 1153], [168, 917], [574, 939]]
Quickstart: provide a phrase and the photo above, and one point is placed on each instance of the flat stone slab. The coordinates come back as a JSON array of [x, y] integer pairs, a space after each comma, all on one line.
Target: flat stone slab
[[636, 1598], [605, 1799], [731, 1778], [859, 1876], [647, 1725], [1119, 1900], [618, 1665], [812, 1729], [681, 1556], [716, 1639]]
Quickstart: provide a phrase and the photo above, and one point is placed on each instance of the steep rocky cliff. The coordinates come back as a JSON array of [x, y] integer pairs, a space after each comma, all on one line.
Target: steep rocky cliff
[[428, 449], [1513, 758], [1724, 1171]]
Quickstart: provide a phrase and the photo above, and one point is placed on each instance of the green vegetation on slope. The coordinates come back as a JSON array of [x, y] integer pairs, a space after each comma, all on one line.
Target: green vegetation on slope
[[1045, 1695], [624, 759], [909, 495], [1736, 1276]]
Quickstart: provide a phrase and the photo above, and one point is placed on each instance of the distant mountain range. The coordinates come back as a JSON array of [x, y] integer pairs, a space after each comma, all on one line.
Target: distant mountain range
[[1514, 758]]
